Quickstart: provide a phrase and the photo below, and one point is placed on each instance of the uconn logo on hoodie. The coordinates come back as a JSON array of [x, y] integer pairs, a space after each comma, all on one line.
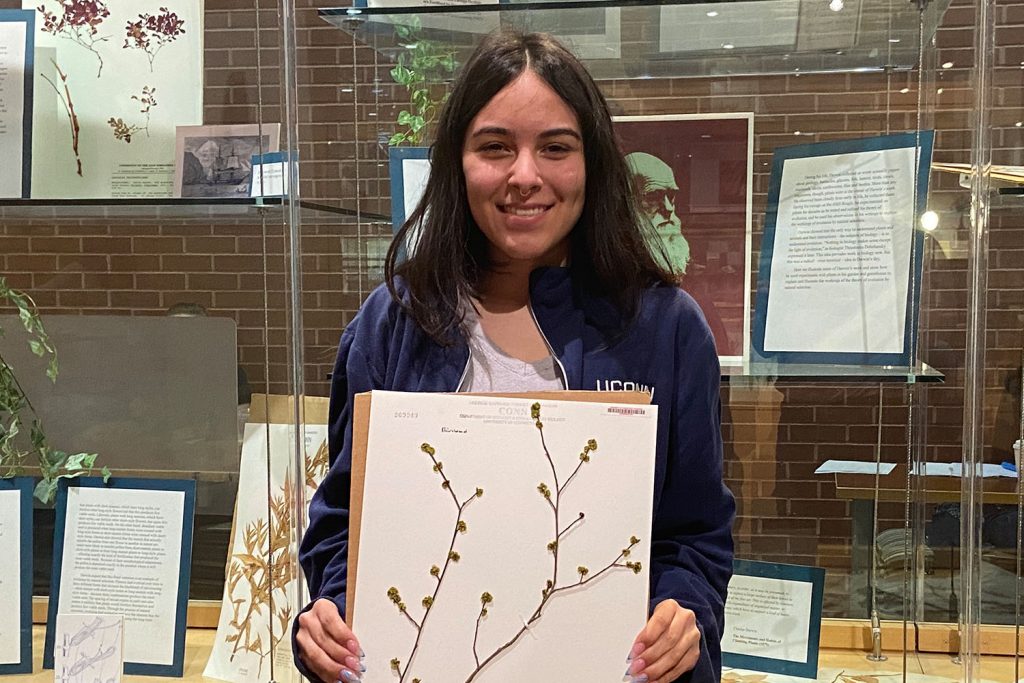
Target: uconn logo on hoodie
[[624, 385]]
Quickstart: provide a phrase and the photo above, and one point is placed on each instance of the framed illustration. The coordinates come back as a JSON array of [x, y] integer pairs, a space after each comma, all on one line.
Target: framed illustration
[[695, 174], [16, 575], [839, 280], [124, 547], [773, 618], [17, 49], [216, 161]]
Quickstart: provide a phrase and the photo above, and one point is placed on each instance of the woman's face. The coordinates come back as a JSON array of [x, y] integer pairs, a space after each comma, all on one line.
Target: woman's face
[[525, 172]]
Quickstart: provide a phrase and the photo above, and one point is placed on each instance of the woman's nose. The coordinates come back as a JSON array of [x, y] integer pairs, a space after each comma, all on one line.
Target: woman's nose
[[524, 174]]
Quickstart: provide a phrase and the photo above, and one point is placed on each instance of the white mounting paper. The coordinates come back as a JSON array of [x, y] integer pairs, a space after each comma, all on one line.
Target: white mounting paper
[[111, 167], [88, 648], [409, 521], [248, 635], [10, 577]]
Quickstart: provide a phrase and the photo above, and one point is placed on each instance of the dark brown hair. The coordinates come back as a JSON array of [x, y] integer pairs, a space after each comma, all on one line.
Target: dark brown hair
[[609, 255]]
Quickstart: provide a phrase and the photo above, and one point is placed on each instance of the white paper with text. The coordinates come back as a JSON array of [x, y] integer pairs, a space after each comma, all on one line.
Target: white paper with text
[[840, 264], [122, 552]]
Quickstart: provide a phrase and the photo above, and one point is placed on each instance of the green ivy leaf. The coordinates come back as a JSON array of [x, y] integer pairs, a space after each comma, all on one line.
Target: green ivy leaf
[[45, 490]]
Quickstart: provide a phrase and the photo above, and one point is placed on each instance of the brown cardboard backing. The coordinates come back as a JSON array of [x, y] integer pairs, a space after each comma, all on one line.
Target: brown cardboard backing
[[360, 436], [281, 409]]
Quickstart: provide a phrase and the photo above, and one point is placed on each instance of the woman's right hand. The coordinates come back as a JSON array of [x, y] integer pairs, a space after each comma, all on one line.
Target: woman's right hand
[[327, 645]]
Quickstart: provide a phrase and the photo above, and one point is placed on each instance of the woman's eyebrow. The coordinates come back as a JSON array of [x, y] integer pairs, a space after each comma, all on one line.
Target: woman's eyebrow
[[556, 132], [498, 130], [491, 130]]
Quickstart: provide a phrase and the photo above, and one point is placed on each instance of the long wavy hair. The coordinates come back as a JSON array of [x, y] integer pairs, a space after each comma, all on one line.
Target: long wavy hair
[[610, 245]]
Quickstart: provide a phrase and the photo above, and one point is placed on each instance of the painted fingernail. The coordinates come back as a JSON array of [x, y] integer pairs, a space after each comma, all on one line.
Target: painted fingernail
[[349, 677], [635, 651], [642, 678], [355, 664], [353, 646]]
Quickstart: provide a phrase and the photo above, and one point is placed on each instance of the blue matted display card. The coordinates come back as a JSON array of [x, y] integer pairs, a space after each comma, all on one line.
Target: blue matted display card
[[397, 157], [923, 139], [27, 17], [24, 486], [815, 576], [188, 488]]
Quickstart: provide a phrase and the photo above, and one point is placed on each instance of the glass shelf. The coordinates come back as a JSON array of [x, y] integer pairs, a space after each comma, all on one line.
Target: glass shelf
[[666, 38], [243, 210], [828, 374]]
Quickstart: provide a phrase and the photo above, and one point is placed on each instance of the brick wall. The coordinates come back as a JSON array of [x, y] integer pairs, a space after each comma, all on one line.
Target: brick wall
[[777, 432]]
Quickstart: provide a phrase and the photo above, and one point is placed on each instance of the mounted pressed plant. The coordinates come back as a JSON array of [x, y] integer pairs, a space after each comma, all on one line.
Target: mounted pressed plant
[[18, 415], [79, 22], [64, 93], [438, 572], [552, 495], [258, 577], [152, 32], [124, 131]]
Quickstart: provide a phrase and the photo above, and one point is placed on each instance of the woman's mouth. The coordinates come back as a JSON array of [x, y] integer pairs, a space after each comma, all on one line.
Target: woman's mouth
[[524, 211]]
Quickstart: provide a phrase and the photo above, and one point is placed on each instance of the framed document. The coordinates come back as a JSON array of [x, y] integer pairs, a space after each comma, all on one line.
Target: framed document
[[839, 280], [773, 618], [16, 575], [17, 40], [125, 548]]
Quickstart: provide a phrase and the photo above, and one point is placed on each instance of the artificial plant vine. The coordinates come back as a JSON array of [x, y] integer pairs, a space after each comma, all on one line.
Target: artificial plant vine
[[54, 464], [424, 62], [437, 572]]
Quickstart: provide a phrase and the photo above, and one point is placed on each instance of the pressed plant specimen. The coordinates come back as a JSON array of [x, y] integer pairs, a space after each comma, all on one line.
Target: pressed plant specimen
[[262, 572], [438, 572], [79, 22], [125, 131], [266, 569], [152, 32], [552, 495], [64, 93]]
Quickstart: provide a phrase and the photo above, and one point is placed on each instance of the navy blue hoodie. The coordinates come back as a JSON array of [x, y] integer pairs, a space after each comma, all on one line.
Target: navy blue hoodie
[[667, 351]]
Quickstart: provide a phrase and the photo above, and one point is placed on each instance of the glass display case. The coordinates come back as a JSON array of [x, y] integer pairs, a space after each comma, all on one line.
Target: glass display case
[[922, 561], [808, 445], [168, 289]]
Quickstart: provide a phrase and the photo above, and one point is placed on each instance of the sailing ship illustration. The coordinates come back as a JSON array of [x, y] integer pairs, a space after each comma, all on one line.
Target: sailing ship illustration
[[227, 166]]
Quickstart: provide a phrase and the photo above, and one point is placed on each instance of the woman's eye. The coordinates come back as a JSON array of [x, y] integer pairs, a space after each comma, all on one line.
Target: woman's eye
[[558, 148], [492, 147]]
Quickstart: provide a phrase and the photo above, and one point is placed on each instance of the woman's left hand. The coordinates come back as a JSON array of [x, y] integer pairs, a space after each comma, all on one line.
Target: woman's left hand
[[667, 647]]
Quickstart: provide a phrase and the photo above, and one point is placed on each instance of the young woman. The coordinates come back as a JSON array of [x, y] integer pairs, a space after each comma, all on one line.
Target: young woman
[[531, 273]]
